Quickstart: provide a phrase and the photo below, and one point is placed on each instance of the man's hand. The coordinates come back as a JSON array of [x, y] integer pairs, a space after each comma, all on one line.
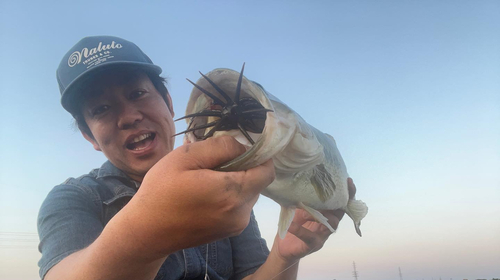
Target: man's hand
[[305, 234], [181, 203], [183, 198]]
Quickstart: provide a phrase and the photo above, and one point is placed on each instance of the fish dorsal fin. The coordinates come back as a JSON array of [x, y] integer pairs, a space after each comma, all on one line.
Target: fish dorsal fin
[[331, 137], [286, 218], [322, 182]]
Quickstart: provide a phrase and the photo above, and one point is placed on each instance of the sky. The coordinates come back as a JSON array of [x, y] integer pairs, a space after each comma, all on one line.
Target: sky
[[409, 89]]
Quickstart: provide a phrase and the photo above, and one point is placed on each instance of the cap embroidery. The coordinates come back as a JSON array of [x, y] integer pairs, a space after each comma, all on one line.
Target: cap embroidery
[[93, 56]]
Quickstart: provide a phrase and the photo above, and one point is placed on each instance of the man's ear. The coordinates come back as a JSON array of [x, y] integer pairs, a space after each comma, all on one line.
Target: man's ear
[[92, 141]]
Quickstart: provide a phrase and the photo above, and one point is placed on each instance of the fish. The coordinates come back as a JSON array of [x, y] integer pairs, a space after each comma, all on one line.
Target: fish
[[310, 172]]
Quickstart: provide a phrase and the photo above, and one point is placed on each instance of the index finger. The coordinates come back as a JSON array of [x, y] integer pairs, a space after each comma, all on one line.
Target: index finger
[[258, 178], [244, 186], [207, 154]]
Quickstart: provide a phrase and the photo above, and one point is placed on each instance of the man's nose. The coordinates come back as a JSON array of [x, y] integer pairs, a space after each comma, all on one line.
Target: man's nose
[[128, 116]]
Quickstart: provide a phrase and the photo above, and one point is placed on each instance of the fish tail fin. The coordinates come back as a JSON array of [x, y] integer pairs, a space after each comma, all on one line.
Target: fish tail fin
[[357, 210], [317, 216], [286, 218]]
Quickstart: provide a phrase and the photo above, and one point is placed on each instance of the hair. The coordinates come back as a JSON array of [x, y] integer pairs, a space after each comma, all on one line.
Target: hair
[[160, 83]]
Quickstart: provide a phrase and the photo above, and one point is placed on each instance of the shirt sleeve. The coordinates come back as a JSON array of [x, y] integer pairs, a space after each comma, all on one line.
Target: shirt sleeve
[[249, 250], [68, 221]]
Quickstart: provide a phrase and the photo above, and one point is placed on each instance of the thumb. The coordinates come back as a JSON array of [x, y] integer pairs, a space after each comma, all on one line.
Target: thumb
[[207, 154], [351, 187]]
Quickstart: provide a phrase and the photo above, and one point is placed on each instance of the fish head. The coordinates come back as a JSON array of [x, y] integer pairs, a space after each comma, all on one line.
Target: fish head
[[225, 102], [217, 95]]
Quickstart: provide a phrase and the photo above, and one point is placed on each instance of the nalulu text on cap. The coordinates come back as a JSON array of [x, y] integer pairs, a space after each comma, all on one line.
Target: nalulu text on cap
[[93, 56]]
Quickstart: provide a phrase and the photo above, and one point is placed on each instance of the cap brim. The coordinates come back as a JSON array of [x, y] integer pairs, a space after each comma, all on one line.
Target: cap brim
[[70, 94]]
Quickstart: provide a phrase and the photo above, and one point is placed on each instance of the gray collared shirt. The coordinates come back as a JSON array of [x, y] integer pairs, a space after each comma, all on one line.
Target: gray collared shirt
[[75, 213]]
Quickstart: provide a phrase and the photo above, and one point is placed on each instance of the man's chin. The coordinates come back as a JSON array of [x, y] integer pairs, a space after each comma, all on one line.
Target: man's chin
[[137, 174], [137, 169], [136, 165]]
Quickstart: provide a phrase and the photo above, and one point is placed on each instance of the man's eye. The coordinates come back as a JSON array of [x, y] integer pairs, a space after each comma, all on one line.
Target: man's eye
[[136, 94], [99, 110]]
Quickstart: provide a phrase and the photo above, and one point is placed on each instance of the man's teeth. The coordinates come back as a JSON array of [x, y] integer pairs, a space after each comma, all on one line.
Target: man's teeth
[[140, 138]]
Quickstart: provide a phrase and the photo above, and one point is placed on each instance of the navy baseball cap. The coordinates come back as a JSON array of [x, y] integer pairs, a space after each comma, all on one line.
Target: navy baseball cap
[[92, 55]]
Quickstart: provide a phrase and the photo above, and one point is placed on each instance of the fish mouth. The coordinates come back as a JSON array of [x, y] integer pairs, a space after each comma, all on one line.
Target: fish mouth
[[225, 105]]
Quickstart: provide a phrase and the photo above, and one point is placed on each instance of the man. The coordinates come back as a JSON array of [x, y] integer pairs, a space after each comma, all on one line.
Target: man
[[151, 212]]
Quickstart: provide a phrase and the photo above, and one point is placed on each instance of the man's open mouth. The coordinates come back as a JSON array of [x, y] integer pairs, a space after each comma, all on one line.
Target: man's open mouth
[[141, 142]]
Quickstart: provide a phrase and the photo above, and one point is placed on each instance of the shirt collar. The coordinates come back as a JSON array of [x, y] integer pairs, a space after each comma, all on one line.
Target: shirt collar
[[109, 170]]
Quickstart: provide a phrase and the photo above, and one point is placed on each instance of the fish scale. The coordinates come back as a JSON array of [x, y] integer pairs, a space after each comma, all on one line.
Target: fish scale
[[310, 172]]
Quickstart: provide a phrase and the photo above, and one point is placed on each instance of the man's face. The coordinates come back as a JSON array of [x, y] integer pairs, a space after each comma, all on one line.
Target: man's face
[[129, 120]]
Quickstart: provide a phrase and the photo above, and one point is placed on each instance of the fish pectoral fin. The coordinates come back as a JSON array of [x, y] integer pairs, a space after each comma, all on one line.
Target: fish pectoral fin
[[322, 182], [356, 210], [286, 218], [317, 216]]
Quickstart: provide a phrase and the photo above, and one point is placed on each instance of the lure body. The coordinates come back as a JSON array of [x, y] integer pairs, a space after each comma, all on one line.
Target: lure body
[[310, 172]]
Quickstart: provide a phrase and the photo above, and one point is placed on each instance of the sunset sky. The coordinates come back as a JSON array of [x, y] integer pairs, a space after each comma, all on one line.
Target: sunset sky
[[409, 89]]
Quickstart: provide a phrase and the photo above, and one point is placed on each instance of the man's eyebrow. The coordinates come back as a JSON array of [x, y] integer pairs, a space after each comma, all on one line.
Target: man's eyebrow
[[91, 93], [93, 90], [129, 77]]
